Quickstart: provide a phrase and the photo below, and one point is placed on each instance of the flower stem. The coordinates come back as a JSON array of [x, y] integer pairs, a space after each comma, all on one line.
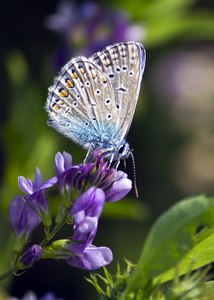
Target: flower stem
[[53, 232], [9, 272], [49, 236], [131, 284]]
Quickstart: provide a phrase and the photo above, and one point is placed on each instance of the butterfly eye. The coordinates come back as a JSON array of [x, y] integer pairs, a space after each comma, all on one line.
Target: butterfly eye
[[121, 149], [124, 150]]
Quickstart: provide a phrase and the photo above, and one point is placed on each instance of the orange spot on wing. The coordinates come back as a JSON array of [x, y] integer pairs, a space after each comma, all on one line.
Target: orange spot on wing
[[82, 71], [93, 73], [56, 107], [74, 75], [70, 83], [64, 93]]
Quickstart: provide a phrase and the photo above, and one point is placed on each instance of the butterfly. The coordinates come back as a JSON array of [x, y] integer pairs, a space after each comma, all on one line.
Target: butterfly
[[92, 101]]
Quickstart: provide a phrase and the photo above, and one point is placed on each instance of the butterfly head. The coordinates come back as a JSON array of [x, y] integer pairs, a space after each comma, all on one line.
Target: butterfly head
[[123, 151]]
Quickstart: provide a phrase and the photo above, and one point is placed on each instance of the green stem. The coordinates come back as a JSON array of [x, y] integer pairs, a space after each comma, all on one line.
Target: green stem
[[131, 285], [17, 267], [53, 232], [9, 272]]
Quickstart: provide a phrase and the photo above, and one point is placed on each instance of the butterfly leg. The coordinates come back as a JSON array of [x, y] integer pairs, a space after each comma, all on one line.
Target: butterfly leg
[[111, 159], [88, 152], [117, 164]]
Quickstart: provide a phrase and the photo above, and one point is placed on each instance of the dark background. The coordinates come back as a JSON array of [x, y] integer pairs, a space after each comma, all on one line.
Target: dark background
[[171, 134]]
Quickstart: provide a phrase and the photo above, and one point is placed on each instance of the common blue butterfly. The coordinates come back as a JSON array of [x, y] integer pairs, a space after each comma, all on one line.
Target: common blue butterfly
[[93, 100]]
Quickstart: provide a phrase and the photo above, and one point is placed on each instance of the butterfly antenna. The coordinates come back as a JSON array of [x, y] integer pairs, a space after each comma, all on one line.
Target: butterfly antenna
[[135, 177]]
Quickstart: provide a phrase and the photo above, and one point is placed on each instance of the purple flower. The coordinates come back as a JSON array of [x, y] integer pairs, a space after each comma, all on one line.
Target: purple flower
[[63, 162], [49, 296], [85, 213], [26, 212], [94, 172], [91, 258], [120, 187], [35, 194], [102, 24], [22, 218], [65, 171], [85, 188], [33, 254], [32, 296], [79, 252]]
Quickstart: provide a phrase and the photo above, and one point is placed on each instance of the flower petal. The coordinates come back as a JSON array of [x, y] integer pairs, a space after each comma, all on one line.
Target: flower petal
[[22, 218], [120, 175], [92, 202], [38, 179], [67, 160], [33, 254], [119, 189], [92, 258], [88, 225], [85, 212], [26, 185], [59, 163], [17, 213], [63, 162], [49, 183], [29, 296]]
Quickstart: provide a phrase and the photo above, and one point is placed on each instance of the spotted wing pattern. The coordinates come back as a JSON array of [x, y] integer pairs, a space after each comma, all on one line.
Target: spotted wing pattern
[[123, 64], [81, 101], [92, 100]]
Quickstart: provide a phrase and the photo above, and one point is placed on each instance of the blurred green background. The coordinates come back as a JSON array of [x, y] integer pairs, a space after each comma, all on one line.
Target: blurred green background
[[171, 134]]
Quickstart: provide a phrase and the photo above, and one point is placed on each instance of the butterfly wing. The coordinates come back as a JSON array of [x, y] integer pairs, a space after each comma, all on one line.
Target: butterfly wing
[[81, 103], [123, 64]]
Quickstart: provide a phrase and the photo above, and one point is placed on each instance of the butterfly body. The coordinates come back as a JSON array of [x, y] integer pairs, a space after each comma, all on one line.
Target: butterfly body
[[92, 101]]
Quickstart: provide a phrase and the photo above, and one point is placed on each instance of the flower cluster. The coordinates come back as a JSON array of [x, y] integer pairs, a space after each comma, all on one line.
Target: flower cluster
[[26, 212], [76, 23], [84, 189], [32, 296]]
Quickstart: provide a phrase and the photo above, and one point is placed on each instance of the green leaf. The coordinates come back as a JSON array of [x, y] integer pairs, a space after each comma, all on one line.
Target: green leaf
[[182, 26], [150, 9], [201, 255], [167, 20], [173, 238], [208, 291]]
